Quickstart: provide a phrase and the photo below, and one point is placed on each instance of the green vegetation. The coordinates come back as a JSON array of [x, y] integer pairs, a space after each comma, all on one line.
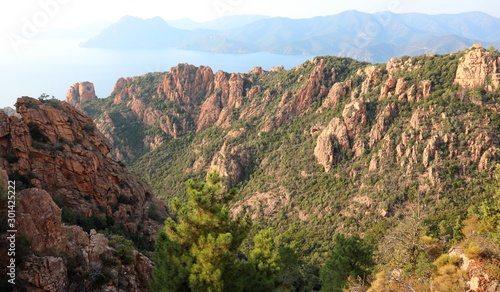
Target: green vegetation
[[381, 194], [36, 133], [200, 250], [350, 259], [124, 248], [23, 181]]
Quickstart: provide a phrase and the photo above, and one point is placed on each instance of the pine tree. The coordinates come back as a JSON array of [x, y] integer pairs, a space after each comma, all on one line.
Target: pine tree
[[198, 251], [264, 262], [350, 257]]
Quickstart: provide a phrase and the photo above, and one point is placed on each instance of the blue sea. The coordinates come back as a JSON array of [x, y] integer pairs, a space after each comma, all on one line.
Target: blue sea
[[51, 67]]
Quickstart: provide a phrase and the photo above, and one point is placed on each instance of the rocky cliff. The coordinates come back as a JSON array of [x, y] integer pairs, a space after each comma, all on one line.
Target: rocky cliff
[[479, 68], [80, 92], [330, 141], [332, 145], [68, 187]]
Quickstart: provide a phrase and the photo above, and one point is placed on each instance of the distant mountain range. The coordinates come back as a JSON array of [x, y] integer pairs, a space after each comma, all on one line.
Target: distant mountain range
[[369, 37]]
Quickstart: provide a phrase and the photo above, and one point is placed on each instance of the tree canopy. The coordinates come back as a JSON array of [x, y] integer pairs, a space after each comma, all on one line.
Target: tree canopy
[[351, 257], [199, 250]]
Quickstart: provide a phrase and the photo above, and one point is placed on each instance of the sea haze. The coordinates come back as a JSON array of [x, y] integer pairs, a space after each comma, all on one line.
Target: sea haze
[[51, 67]]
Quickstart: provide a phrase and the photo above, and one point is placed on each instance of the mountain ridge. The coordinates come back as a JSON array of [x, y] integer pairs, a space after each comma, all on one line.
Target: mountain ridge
[[407, 149], [236, 105], [340, 34]]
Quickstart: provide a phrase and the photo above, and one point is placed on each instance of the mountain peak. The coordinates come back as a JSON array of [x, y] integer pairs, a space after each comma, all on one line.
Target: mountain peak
[[343, 34]]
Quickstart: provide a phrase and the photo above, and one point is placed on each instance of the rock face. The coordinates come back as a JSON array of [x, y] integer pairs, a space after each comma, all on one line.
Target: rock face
[[80, 92], [46, 273], [312, 88], [56, 152], [350, 110], [476, 67], [333, 138], [82, 176], [354, 115], [336, 93], [194, 98], [231, 163], [381, 124], [39, 221]]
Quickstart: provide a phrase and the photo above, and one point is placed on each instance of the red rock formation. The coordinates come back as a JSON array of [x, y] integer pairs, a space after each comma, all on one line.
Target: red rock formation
[[231, 163], [80, 92], [389, 84], [381, 124], [312, 88], [61, 148], [334, 133], [354, 116], [475, 67], [336, 93], [58, 150]]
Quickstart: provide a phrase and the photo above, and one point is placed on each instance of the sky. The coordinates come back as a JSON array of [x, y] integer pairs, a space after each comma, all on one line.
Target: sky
[[30, 19], [63, 13]]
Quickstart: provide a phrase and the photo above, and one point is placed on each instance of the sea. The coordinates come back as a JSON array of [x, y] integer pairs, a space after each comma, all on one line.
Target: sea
[[52, 66]]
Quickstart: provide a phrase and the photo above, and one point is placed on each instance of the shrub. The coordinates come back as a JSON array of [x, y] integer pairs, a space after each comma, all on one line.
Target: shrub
[[36, 133], [11, 157], [89, 129], [124, 248], [99, 275], [122, 199]]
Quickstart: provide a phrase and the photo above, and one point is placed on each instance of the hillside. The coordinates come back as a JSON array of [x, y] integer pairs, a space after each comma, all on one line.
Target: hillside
[[369, 37], [333, 145], [393, 166], [80, 216]]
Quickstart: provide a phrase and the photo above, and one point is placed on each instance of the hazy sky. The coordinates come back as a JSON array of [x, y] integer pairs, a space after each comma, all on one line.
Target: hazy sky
[[44, 15], [75, 12]]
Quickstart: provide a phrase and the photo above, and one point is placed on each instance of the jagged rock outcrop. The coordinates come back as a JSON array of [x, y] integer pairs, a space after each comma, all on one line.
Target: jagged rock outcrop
[[210, 111], [312, 88], [389, 84], [372, 74], [354, 116], [336, 93], [196, 91], [183, 84], [425, 87], [46, 273], [430, 150], [475, 67], [80, 92], [228, 94], [231, 163], [333, 138], [39, 221], [396, 64], [381, 124], [81, 175], [57, 149]]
